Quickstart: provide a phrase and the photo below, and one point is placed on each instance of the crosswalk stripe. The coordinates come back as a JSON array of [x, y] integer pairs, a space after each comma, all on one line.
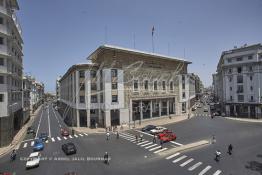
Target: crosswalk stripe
[[152, 149], [174, 155], [217, 172], [53, 139], [65, 138], [70, 136], [124, 135], [146, 144], [25, 145], [128, 134], [180, 158], [127, 138], [76, 135], [81, 135], [32, 143], [186, 162], [163, 149], [86, 134], [150, 146], [132, 140], [142, 142], [59, 138], [204, 170], [194, 166]]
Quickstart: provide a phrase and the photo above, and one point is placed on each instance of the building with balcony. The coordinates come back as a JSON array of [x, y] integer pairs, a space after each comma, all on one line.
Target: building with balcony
[[237, 83], [124, 86], [11, 67], [36, 94], [27, 86]]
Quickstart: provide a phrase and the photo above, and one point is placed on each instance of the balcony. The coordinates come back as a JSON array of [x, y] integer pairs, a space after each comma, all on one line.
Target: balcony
[[17, 24]]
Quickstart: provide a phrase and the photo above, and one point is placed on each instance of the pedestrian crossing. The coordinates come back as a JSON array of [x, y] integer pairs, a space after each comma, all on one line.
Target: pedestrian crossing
[[188, 163], [54, 139], [201, 115]]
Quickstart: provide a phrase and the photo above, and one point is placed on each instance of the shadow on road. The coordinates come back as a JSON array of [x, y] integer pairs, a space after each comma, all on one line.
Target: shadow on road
[[255, 165]]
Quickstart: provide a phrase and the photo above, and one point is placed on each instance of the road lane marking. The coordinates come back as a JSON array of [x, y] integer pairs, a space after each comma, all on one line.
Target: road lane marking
[[163, 149], [25, 145], [65, 138], [174, 155], [48, 119], [180, 158], [76, 135], [58, 138], [70, 136], [32, 143], [186, 162], [152, 149], [86, 134], [205, 170], [53, 139], [179, 144], [142, 142], [146, 144], [150, 146], [81, 135], [39, 123], [217, 172], [195, 166]]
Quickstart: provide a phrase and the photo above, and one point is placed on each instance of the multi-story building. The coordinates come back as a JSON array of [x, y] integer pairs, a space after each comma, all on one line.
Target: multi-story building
[[122, 85], [27, 84], [58, 88], [238, 81], [11, 67]]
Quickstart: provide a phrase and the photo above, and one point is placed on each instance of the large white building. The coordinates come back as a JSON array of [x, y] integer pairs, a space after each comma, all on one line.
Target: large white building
[[11, 67], [122, 85], [238, 81]]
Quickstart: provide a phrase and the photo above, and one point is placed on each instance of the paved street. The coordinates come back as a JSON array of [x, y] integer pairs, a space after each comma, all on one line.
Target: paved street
[[143, 157]]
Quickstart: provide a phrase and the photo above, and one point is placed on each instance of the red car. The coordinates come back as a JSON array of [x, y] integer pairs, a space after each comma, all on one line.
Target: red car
[[168, 137], [164, 133], [64, 132]]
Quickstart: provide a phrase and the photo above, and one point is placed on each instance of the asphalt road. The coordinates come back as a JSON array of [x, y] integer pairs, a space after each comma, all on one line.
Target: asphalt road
[[129, 157]]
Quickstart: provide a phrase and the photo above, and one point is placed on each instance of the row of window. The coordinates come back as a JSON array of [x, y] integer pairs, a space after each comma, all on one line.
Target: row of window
[[14, 82], [155, 85], [95, 100], [240, 98], [239, 78], [93, 73], [239, 69], [240, 88], [230, 60]]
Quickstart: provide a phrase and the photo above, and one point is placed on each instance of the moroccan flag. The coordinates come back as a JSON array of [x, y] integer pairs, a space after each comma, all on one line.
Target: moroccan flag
[[153, 30]]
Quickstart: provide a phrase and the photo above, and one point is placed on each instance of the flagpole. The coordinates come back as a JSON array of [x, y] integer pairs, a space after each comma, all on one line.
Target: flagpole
[[153, 46]]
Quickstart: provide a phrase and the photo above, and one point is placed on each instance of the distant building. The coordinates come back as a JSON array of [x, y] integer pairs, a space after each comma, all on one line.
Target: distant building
[[238, 81], [58, 88], [27, 85], [198, 86], [122, 85], [11, 68]]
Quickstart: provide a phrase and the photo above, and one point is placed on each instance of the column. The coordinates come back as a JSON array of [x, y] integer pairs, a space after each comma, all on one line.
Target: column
[[141, 110], [99, 117], [160, 104], [248, 111], [107, 118], [167, 105], [151, 108], [77, 118], [88, 118]]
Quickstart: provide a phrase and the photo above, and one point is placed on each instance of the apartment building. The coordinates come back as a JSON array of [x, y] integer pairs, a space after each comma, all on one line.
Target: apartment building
[[124, 86], [36, 94], [27, 85], [237, 83], [11, 67]]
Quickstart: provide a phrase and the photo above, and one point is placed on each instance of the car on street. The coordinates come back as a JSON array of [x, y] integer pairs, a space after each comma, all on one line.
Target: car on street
[[30, 130], [69, 148], [64, 132], [157, 130], [43, 136], [38, 145], [148, 128], [168, 137], [164, 133], [33, 160], [5, 173]]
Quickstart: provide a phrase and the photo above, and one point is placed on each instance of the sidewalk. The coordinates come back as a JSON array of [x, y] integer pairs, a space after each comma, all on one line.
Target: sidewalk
[[157, 121], [245, 119], [20, 135]]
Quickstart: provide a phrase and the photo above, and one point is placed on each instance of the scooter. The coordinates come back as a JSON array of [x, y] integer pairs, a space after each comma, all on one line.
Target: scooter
[[218, 156]]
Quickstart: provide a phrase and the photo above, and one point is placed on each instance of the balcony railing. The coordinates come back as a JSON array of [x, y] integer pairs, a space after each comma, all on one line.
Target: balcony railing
[[17, 24]]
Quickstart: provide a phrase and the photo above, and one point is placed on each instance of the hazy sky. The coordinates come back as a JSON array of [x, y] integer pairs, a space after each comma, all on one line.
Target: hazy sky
[[60, 33]]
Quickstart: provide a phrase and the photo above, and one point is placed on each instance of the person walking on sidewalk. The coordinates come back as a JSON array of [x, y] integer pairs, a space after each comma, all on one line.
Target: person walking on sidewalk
[[230, 149], [141, 137], [154, 139], [117, 135], [161, 144]]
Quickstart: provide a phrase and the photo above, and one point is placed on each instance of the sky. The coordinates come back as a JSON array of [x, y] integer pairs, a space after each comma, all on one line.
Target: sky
[[60, 33]]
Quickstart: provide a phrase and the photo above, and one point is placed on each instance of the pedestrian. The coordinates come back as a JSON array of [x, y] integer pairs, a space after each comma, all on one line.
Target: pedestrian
[[230, 148], [141, 137], [106, 158], [161, 144], [136, 138], [117, 135], [107, 135], [188, 116], [213, 139], [154, 139]]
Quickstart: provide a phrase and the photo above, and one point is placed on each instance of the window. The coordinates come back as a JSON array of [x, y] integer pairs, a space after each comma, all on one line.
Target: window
[[1, 20], [1, 40], [2, 80], [240, 89], [230, 71], [114, 85], [251, 88], [171, 86], [230, 88], [230, 79], [229, 60], [1, 97], [2, 62], [82, 99], [250, 57], [250, 68], [240, 98], [82, 86], [93, 73], [183, 95], [183, 85], [93, 98], [113, 72], [81, 74], [239, 59], [251, 78], [183, 77], [93, 86], [231, 98], [251, 98], [155, 85], [146, 84], [239, 70], [135, 85], [163, 85], [184, 107], [239, 79], [114, 98], [92, 111], [101, 98]]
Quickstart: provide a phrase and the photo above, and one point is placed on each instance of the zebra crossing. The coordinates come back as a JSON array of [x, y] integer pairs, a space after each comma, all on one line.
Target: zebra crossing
[[187, 162], [201, 115], [54, 139]]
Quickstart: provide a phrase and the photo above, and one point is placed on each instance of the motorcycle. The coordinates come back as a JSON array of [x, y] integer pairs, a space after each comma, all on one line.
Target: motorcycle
[[13, 156], [218, 156]]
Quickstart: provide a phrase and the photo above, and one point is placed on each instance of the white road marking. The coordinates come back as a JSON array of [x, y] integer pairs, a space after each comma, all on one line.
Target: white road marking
[[179, 144], [217, 172], [58, 138], [163, 149], [32, 143], [48, 119], [142, 142], [39, 123], [81, 135], [132, 140], [70, 136], [180, 158], [76, 135], [145, 133], [195, 166], [150, 146], [186, 162], [65, 138], [25, 145], [174, 155], [86, 134], [53, 139], [127, 135], [205, 170], [152, 149], [146, 144]]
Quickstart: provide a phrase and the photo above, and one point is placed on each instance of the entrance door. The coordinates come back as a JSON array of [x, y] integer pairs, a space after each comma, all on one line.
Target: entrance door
[[115, 120]]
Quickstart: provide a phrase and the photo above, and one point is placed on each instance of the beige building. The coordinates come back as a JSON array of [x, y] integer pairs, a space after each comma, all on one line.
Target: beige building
[[124, 86]]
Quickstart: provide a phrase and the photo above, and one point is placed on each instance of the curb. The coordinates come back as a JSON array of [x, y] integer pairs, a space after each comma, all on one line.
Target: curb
[[245, 120]]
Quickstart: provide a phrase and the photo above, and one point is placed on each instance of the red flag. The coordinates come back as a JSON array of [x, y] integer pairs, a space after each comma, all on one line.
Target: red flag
[[153, 30]]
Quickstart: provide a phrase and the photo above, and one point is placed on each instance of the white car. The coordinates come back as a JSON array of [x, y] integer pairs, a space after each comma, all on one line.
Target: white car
[[33, 160], [157, 130]]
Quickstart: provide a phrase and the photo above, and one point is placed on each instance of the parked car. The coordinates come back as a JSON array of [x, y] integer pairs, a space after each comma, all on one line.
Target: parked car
[[168, 137], [33, 160], [38, 145], [69, 148], [30, 130], [157, 130], [43, 136], [164, 133], [64, 132], [148, 128]]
